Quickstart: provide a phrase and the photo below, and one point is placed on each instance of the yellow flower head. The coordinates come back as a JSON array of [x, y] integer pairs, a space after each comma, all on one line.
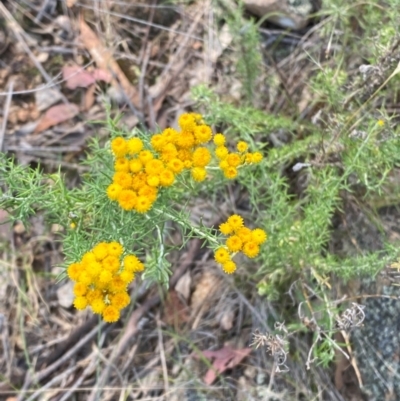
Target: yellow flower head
[[201, 157], [187, 122], [122, 179], [230, 173], [257, 157], [188, 164], [143, 204], [74, 270], [115, 249], [244, 234], [176, 165], [154, 167], [233, 159], [235, 221], [248, 158], [135, 165], [111, 314], [139, 180], [111, 263], [202, 133], [219, 139], [170, 135], [148, 192], [242, 146], [229, 267], [88, 257], [221, 152], [135, 145], [226, 228], [85, 278], [133, 264], [80, 303], [145, 156], [158, 141], [117, 284], [105, 277], [127, 276], [198, 117], [80, 289], [119, 146], [167, 178], [234, 243], [184, 155], [94, 294], [169, 152], [113, 191], [223, 165], [259, 236], [185, 140], [121, 164], [100, 250], [93, 269], [153, 180], [199, 174], [127, 199], [98, 305], [120, 300], [251, 249], [222, 256]]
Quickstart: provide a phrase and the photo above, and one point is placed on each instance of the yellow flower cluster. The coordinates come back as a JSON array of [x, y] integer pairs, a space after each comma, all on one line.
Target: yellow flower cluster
[[101, 279], [139, 172], [230, 161], [240, 239]]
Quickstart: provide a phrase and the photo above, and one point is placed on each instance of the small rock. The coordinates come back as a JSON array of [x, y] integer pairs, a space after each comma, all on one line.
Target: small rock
[[289, 14], [46, 97], [65, 294]]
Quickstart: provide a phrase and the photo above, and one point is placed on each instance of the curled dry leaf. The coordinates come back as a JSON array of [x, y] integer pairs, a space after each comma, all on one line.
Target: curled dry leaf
[[223, 359], [175, 311], [56, 115], [76, 76]]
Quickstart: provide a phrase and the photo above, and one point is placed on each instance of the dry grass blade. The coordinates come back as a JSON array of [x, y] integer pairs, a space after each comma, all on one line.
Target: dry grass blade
[[5, 114], [104, 60]]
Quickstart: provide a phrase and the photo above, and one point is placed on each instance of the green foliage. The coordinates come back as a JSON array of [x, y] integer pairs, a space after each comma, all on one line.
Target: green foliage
[[349, 152], [89, 217], [246, 45], [294, 194]]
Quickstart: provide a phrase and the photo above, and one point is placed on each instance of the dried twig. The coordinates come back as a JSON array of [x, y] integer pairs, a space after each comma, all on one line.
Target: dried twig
[[275, 345], [39, 376], [5, 114]]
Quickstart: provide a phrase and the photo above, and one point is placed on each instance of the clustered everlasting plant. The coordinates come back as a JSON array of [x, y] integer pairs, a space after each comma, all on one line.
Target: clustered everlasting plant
[[140, 173], [113, 213], [102, 280], [241, 239]]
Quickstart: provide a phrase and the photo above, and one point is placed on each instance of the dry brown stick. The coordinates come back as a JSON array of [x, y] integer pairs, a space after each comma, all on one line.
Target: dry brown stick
[[132, 325], [144, 59], [162, 354], [19, 34], [88, 371], [55, 380], [29, 379], [72, 339], [164, 80], [5, 114]]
